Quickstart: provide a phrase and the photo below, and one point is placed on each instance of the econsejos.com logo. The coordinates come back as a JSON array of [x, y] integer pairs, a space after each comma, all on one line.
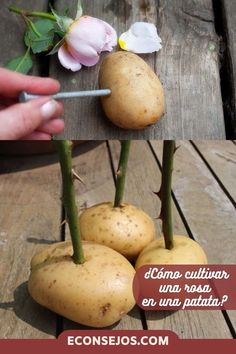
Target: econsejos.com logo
[[117, 340]]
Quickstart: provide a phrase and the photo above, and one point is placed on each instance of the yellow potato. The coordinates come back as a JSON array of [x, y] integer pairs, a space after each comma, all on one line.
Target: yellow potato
[[97, 293], [137, 98], [126, 229], [185, 251]]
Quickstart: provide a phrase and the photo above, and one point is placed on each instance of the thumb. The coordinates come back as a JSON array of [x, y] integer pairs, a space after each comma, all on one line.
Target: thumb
[[22, 119]]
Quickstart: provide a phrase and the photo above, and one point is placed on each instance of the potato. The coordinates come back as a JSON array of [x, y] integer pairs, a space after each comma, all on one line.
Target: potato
[[185, 251], [97, 293], [137, 98], [126, 229]]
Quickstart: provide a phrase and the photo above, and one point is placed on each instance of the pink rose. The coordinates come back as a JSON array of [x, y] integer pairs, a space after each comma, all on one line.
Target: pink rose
[[86, 39]]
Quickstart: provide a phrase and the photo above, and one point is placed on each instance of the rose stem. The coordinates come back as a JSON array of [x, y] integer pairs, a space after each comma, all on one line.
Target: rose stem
[[19, 11], [121, 174], [64, 148], [165, 193]]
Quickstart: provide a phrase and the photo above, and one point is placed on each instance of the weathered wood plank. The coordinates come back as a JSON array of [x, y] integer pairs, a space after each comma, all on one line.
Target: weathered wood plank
[[191, 324], [144, 177], [221, 156], [12, 28], [29, 220], [232, 317], [94, 168], [229, 7], [211, 217], [190, 70], [188, 67]]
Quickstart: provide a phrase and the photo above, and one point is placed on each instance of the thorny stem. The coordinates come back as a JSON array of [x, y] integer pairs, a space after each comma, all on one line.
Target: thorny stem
[[64, 148], [19, 11], [121, 173], [165, 192]]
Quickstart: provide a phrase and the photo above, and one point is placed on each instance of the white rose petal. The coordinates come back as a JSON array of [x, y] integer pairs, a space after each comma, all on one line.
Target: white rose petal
[[141, 38]]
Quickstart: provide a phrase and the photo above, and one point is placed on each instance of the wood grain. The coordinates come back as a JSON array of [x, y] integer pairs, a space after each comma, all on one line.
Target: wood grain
[[188, 67], [232, 317], [229, 8], [29, 220], [94, 168], [191, 324], [221, 156], [144, 176]]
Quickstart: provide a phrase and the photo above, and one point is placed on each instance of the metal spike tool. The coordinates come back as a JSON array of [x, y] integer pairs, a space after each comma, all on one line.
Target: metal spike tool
[[25, 97]]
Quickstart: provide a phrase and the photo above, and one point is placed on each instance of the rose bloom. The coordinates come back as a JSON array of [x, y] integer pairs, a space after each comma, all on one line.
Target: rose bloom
[[86, 38]]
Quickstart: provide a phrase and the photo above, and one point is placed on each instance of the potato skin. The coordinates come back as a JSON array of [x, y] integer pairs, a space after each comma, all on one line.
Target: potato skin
[[126, 229], [185, 251], [137, 98], [97, 293]]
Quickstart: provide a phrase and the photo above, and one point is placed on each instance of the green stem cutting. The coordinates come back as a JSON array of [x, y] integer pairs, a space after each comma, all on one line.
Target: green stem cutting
[[165, 193], [22, 12], [64, 149], [121, 173]]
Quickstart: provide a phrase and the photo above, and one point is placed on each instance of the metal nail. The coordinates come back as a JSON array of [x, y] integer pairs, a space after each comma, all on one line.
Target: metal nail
[[25, 97]]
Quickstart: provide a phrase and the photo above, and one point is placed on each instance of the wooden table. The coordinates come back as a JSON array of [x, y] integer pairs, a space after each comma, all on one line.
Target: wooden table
[[196, 65], [204, 203]]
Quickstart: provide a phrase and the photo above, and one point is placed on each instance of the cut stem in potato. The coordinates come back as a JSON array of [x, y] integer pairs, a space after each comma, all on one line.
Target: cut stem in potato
[[121, 173], [87, 283], [97, 293], [185, 251], [170, 249]]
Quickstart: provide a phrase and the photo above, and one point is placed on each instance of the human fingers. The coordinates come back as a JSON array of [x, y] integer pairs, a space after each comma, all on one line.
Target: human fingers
[[23, 119], [12, 83], [37, 136], [54, 126]]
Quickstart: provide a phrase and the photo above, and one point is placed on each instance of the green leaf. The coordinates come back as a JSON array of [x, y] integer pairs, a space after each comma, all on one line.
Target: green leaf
[[22, 64], [40, 37]]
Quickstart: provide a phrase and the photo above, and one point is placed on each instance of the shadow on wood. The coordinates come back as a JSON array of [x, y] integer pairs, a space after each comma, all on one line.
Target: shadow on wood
[[40, 242], [38, 154], [27, 310]]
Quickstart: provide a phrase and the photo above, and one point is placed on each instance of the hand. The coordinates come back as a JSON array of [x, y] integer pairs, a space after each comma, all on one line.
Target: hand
[[34, 120]]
